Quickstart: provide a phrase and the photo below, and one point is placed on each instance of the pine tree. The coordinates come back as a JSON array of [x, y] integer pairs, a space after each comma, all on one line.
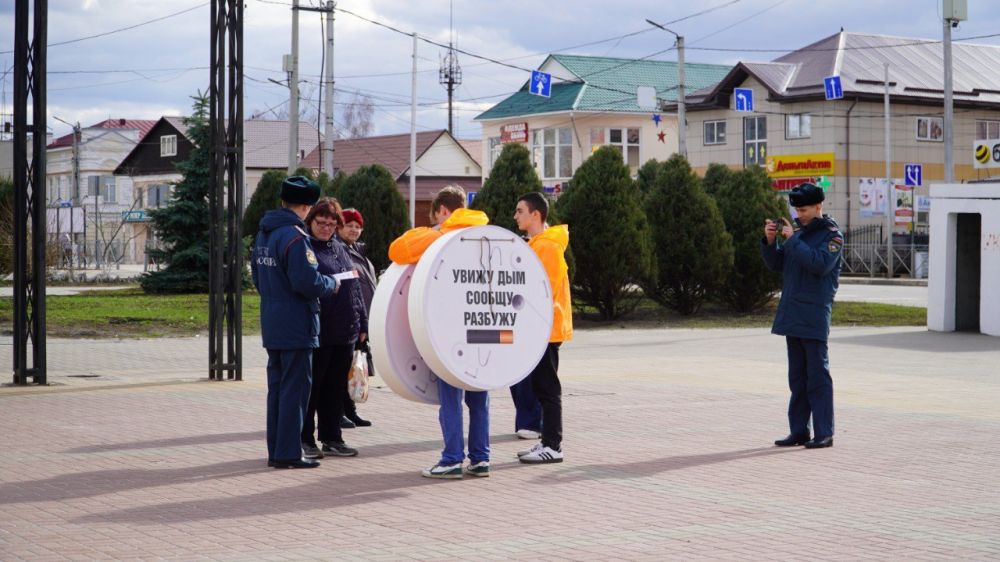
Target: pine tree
[[745, 199], [609, 234], [373, 191], [511, 177], [692, 248], [182, 226]]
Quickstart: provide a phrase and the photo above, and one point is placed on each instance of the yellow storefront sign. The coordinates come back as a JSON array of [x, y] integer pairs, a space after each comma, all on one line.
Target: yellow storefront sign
[[820, 164]]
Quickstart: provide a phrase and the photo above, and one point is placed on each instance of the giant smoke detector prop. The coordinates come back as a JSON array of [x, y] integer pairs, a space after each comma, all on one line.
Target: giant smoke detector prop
[[395, 355], [479, 307]]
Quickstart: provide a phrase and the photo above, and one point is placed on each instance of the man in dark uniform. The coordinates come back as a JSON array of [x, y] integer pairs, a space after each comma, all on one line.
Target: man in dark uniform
[[285, 274], [809, 258]]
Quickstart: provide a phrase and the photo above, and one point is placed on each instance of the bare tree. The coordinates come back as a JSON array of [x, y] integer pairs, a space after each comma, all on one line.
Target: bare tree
[[359, 116]]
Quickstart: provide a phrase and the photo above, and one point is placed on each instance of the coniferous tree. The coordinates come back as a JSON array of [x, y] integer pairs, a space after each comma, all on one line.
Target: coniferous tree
[[609, 234], [330, 187], [646, 178], [511, 177], [693, 250], [182, 226], [372, 190], [745, 199], [715, 176]]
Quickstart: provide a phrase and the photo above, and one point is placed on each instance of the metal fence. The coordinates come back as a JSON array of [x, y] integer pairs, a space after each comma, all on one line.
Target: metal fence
[[865, 252]]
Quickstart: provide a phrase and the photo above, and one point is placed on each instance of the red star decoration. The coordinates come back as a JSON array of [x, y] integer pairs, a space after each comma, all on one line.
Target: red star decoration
[[661, 136]]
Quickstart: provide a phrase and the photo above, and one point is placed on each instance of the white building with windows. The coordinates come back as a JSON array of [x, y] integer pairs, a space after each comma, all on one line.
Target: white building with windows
[[797, 135], [594, 102], [98, 231]]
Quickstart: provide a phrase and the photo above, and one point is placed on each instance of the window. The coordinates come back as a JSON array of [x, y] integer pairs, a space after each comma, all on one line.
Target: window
[[495, 148], [109, 193], [157, 196], [715, 132], [754, 141], [930, 129], [168, 145], [552, 151], [798, 126], [987, 130], [627, 141]]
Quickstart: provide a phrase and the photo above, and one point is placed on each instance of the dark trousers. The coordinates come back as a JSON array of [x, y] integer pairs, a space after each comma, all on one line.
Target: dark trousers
[[331, 364], [812, 387], [289, 376], [545, 384], [527, 408]]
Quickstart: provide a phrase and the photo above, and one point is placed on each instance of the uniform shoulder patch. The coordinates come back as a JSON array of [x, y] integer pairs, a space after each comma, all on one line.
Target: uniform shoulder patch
[[835, 244], [311, 257]]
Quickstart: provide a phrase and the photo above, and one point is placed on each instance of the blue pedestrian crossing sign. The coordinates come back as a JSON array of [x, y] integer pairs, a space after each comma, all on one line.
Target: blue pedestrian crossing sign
[[913, 174], [470, 197], [541, 84], [831, 86], [743, 99]]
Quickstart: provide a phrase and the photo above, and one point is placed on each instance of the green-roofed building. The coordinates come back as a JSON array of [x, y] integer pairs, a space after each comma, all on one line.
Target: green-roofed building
[[594, 101]]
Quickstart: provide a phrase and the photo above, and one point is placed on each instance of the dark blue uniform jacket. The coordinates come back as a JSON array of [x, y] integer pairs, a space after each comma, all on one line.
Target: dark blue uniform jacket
[[810, 263], [285, 273], [341, 315]]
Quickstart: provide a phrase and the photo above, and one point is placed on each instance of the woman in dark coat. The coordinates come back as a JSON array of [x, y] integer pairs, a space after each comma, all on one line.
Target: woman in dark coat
[[343, 321], [349, 233]]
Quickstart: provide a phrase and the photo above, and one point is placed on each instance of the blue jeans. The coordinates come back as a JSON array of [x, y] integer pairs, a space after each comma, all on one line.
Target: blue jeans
[[289, 378], [450, 417], [812, 387], [527, 408]]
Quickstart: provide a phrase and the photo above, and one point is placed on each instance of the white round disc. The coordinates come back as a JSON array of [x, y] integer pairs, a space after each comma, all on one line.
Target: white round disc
[[480, 308], [394, 353]]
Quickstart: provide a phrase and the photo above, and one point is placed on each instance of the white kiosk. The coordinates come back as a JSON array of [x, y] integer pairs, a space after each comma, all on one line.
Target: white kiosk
[[964, 284]]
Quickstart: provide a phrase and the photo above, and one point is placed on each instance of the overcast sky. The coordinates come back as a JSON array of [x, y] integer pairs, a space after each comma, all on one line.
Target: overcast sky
[[152, 70]]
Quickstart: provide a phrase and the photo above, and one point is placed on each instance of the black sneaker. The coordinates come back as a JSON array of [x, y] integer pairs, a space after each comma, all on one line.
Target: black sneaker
[[346, 423], [338, 449], [311, 451]]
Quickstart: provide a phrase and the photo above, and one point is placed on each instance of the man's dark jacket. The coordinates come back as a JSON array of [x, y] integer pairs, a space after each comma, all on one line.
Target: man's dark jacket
[[810, 264], [285, 273]]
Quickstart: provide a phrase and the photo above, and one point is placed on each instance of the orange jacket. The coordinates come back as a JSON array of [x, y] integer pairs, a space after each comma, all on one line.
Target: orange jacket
[[413, 243], [550, 246]]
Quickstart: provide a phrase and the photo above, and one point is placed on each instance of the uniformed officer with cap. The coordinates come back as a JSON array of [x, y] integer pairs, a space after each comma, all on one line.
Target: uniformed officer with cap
[[285, 273], [809, 260]]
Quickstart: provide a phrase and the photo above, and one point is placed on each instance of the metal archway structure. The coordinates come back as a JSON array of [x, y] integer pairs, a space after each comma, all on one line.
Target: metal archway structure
[[225, 205]]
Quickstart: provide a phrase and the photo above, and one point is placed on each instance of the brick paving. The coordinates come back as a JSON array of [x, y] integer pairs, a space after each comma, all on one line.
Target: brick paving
[[667, 458]]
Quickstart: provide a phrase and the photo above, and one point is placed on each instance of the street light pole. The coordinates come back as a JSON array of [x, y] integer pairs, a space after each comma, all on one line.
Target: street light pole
[[74, 195], [681, 113]]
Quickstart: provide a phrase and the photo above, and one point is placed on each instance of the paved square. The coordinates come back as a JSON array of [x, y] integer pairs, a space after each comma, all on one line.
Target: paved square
[[667, 447]]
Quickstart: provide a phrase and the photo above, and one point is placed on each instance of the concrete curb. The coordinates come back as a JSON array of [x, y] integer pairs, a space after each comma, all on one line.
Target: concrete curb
[[902, 282]]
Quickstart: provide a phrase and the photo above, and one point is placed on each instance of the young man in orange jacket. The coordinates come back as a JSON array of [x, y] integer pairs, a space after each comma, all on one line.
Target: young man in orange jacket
[[549, 243], [448, 213]]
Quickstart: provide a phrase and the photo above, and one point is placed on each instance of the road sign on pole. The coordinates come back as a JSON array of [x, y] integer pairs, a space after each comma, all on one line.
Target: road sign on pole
[[832, 88], [541, 84], [913, 174], [743, 99]]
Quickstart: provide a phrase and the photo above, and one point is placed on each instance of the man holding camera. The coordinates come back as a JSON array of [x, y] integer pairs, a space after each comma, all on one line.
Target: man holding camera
[[809, 259]]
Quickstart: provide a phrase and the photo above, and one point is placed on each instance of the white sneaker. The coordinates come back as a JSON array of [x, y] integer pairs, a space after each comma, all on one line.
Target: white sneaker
[[535, 447], [528, 434], [542, 455], [481, 469], [446, 471]]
